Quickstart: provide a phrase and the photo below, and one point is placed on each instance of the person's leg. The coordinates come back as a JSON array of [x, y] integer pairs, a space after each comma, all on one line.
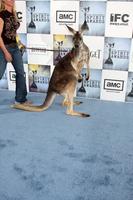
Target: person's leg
[[3, 64], [17, 63]]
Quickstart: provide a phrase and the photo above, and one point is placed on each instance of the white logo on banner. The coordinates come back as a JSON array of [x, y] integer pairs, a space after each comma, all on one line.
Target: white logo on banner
[[94, 15], [65, 16], [113, 85], [21, 14], [116, 53], [64, 13], [11, 76], [116, 85], [119, 19], [38, 17]]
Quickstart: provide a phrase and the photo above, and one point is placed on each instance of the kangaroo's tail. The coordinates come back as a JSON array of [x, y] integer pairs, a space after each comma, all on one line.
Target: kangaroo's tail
[[32, 108]]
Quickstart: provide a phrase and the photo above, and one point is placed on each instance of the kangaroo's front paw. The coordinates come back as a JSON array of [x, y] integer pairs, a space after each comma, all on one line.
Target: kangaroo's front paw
[[80, 80], [87, 78]]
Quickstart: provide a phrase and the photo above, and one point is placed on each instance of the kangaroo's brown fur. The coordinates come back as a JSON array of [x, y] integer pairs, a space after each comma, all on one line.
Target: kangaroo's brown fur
[[65, 76]]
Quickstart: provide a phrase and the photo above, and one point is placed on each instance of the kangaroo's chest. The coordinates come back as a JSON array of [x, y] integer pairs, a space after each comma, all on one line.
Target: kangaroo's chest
[[80, 58], [79, 61]]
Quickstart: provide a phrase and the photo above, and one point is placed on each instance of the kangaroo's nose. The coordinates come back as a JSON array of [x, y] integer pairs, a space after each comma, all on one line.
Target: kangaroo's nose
[[76, 45]]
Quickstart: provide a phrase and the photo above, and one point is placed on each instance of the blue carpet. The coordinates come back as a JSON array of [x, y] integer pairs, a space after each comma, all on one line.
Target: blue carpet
[[52, 156]]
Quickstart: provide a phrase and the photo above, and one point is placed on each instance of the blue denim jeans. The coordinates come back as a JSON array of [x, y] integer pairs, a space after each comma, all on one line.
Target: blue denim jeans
[[17, 62]]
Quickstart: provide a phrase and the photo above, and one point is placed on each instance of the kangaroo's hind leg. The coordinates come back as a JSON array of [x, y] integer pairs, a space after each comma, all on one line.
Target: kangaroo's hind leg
[[70, 96], [66, 101]]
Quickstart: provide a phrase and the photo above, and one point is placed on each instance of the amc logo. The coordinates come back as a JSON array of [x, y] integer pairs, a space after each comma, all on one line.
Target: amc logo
[[12, 75], [119, 18], [116, 85], [65, 16], [19, 16]]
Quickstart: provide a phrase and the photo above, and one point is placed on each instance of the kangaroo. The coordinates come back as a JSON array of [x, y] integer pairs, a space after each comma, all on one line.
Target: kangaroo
[[65, 76]]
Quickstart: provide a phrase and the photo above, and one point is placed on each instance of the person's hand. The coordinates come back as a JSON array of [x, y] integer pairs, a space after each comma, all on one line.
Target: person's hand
[[8, 56], [21, 45], [22, 48]]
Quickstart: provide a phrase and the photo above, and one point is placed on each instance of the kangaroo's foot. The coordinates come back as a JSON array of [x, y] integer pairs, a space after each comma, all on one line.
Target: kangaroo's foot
[[77, 102], [67, 103], [74, 113], [30, 108]]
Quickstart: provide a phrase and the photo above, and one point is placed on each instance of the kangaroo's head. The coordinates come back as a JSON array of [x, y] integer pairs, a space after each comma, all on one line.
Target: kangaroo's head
[[78, 35]]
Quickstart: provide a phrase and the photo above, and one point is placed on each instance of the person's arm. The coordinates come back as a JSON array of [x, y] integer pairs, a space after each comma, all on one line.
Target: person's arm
[[7, 55]]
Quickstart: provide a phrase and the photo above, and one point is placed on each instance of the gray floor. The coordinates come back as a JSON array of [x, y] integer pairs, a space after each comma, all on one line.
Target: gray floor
[[52, 156]]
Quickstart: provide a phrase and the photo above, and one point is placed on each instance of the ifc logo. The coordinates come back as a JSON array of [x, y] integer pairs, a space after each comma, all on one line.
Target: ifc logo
[[119, 17]]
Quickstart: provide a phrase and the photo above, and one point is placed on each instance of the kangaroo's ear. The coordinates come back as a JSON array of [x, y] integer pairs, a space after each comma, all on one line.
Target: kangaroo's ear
[[84, 27], [71, 29]]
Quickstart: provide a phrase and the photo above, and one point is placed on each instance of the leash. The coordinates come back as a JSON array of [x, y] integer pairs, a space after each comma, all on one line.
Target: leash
[[24, 48], [43, 49]]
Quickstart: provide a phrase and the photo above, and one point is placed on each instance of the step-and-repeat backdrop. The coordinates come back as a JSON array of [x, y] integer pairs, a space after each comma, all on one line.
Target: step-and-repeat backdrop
[[110, 39]]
